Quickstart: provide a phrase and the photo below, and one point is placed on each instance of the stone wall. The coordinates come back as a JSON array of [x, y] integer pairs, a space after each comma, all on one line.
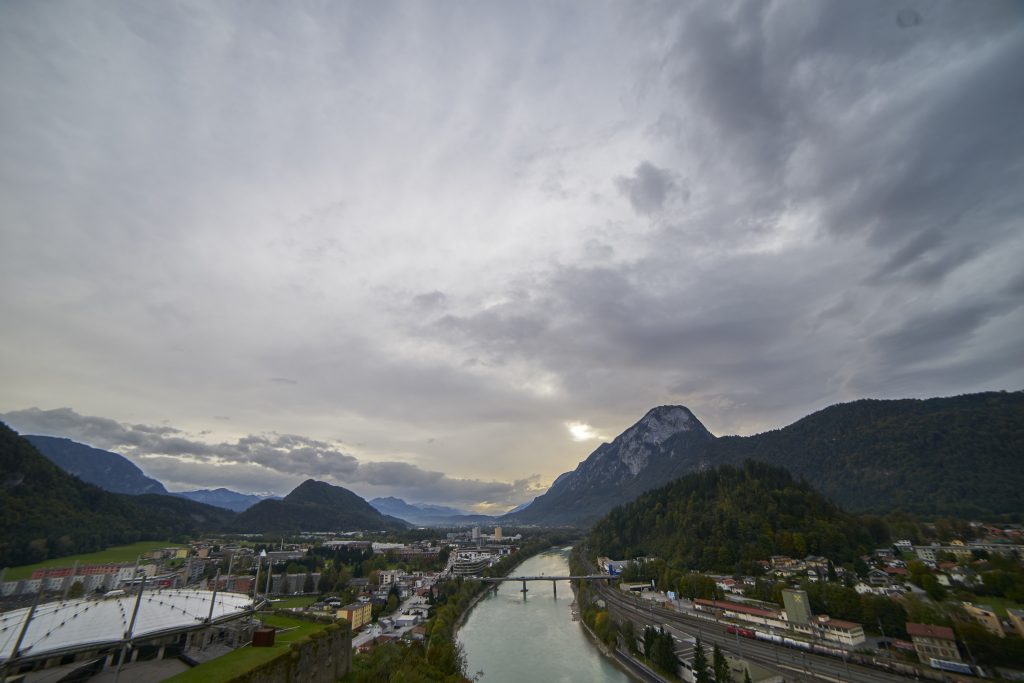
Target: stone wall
[[321, 657]]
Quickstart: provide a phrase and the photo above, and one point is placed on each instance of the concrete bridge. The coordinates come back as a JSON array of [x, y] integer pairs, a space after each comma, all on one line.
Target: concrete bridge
[[554, 579]]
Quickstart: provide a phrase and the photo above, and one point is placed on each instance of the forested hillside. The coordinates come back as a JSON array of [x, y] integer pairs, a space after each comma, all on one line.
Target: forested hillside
[[727, 517], [45, 512], [315, 506], [962, 455]]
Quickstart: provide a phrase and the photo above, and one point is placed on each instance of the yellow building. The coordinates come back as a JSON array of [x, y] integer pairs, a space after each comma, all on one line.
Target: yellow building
[[1017, 619], [358, 614], [986, 618]]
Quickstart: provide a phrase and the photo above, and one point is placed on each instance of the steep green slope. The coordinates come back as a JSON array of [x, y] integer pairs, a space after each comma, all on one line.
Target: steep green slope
[[962, 455], [45, 512], [718, 519]]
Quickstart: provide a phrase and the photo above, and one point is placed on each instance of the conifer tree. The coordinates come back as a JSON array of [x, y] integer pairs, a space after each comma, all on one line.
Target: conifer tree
[[720, 666], [700, 664]]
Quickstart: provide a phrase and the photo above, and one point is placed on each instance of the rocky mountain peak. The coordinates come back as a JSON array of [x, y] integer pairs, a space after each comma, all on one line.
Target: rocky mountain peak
[[664, 442], [664, 421], [635, 445]]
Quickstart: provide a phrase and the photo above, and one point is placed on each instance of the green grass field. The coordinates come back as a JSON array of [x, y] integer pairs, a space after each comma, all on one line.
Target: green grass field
[[300, 601], [121, 553], [245, 658]]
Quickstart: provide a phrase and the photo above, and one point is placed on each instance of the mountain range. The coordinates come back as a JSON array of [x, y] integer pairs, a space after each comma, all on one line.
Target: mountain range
[[962, 456], [107, 470], [115, 473], [424, 514], [223, 498], [46, 512], [315, 506]]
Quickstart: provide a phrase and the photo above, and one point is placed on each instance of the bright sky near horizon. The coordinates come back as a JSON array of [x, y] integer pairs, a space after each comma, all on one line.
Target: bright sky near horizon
[[441, 250]]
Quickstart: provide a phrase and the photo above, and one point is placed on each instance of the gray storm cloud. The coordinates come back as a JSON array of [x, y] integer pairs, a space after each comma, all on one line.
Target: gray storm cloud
[[163, 451], [443, 233], [649, 188]]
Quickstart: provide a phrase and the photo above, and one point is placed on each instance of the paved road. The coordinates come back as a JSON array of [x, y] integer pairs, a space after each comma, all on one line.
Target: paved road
[[794, 665], [372, 631]]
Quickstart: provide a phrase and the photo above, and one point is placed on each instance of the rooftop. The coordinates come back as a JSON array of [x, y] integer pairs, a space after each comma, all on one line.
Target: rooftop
[[76, 625], [930, 631]]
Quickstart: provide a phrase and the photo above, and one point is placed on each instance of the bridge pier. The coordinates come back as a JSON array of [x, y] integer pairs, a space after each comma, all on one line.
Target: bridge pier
[[554, 587], [524, 589]]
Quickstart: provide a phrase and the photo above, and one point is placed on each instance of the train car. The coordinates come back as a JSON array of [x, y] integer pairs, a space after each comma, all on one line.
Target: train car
[[830, 650], [768, 637], [798, 644], [954, 667], [737, 630]]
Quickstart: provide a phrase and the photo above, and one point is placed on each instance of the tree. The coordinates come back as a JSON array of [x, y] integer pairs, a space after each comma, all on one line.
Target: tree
[[308, 585], [662, 655], [936, 591], [629, 635], [720, 666], [746, 676], [77, 590], [700, 664], [861, 567]]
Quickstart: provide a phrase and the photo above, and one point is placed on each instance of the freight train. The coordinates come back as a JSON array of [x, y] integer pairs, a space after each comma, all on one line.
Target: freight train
[[854, 658]]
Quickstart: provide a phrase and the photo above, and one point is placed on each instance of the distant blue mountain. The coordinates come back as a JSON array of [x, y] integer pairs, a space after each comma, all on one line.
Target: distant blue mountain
[[109, 471], [423, 514], [396, 507], [115, 473], [223, 498]]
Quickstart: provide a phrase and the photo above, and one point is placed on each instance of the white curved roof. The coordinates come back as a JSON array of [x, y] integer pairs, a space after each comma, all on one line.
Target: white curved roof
[[79, 624]]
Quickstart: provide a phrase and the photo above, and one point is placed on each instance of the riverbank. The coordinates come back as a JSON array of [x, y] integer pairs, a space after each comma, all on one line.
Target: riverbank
[[509, 638], [608, 654]]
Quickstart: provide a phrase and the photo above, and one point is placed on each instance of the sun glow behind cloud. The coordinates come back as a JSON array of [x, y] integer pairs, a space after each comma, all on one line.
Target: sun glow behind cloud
[[581, 431]]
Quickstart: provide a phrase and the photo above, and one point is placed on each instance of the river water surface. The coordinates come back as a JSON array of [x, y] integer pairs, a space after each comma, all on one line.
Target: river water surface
[[512, 640]]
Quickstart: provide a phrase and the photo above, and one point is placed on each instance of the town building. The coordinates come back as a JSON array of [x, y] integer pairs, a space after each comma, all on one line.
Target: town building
[[1016, 617], [986, 618], [471, 562], [358, 614], [931, 641]]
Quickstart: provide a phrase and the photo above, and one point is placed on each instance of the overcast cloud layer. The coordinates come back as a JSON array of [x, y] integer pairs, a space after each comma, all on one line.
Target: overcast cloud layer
[[440, 250]]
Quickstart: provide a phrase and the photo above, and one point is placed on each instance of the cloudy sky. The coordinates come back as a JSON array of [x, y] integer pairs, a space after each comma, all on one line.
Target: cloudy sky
[[442, 250]]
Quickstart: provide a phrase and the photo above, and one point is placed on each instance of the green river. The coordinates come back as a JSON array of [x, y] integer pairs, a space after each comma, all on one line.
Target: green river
[[513, 640]]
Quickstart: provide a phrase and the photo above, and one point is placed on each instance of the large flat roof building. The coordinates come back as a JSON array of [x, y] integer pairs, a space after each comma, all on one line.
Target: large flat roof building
[[89, 626]]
